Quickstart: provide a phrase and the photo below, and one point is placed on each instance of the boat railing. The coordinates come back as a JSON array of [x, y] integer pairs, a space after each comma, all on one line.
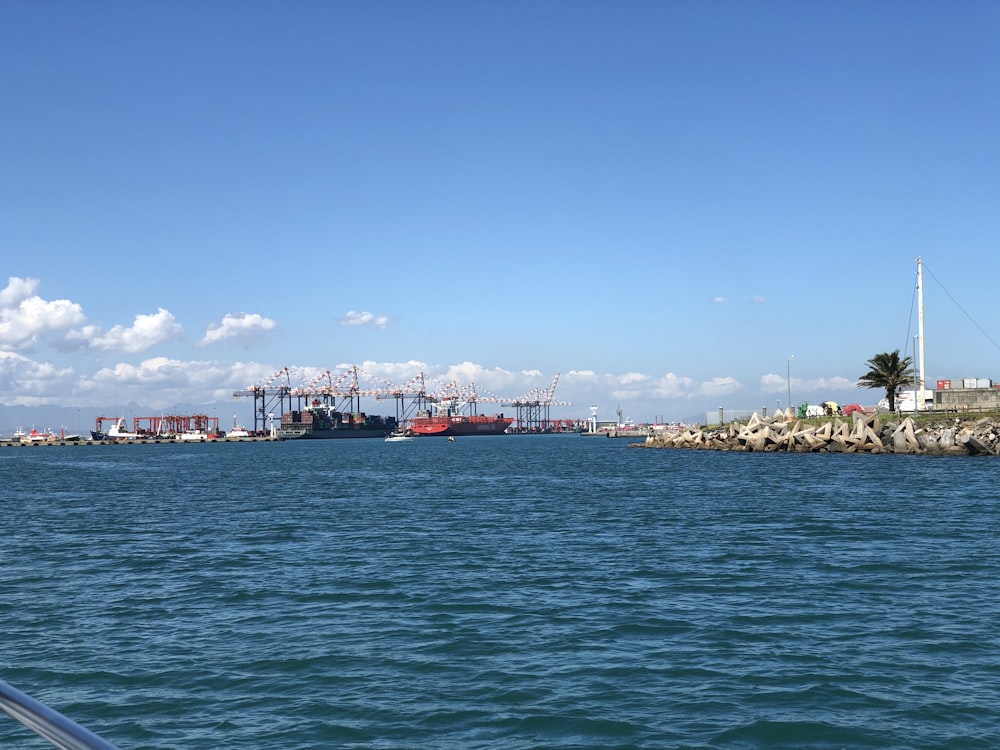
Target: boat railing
[[47, 722]]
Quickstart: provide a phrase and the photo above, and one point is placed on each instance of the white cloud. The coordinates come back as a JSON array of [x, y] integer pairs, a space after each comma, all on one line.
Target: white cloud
[[631, 378], [355, 318], [673, 386], [241, 324], [720, 300], [491, 377], [626, 394], [771, 383], [719, 387], [759, 299], [156, 370], [79, 337], [25, 382], [835, 383], [17, 289], [159, 382], [25, 317], [145, 332]]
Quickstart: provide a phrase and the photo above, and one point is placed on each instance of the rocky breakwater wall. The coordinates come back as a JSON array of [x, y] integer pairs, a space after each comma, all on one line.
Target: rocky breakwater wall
[[861, 433]]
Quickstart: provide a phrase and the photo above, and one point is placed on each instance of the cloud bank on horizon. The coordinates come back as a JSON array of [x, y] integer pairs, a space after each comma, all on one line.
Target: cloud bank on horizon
[[41, 339]]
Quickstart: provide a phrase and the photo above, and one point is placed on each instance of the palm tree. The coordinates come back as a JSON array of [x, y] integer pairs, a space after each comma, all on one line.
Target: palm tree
[[888, 371]]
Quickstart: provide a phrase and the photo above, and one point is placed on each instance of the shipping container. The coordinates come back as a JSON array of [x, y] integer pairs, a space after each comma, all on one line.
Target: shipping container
[[944, 385], [969, 383], [984, 383]]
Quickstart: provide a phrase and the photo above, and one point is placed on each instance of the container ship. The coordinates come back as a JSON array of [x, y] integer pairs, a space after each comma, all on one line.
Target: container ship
[[322, 422], [453, 425]]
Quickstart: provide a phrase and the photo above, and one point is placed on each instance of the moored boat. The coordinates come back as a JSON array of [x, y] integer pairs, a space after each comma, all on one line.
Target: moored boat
[[195, 436], [323, 422], [118, 431], [449, 421], [238, 431], [34, 436]]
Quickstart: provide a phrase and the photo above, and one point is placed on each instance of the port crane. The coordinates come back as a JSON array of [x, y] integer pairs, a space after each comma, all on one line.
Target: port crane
[[421, 394], [533, 408], [268, 396]]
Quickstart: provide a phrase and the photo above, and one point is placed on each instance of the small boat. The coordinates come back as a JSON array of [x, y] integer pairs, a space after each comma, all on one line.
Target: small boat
[[238, 431], [37, 437], [195, 436], [398, 437]]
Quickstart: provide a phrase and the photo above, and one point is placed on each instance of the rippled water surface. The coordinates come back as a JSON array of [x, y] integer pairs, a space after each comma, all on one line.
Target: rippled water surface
[[514, 592]]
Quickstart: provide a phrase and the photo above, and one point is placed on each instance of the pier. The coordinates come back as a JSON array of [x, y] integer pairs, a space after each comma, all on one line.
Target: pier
[[18, 443]]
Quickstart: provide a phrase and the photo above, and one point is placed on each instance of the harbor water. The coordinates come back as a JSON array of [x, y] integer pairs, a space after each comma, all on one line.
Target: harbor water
[[501, 592]]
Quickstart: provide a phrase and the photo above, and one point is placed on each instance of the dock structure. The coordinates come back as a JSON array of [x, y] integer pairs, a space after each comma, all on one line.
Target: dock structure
[[165, 425], [59, 442], [276, 396]]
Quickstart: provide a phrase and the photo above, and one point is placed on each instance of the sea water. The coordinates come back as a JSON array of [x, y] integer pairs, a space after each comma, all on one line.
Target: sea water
[[501, 592]]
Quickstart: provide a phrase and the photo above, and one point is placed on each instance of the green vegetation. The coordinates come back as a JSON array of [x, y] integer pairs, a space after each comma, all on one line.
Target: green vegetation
[[889, 372]]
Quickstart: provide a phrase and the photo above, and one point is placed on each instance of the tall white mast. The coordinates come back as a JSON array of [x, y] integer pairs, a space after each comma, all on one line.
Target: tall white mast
[[920, 335]]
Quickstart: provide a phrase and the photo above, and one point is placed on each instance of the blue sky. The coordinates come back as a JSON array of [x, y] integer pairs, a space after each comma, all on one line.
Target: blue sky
[[662, 201]]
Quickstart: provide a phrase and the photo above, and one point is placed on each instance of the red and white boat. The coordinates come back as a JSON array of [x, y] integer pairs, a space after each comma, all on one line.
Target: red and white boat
[[450, 422]]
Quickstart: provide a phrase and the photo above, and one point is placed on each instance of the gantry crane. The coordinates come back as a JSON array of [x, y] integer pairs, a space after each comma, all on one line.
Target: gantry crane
[[269, 396], [275, 395], [533, 408]]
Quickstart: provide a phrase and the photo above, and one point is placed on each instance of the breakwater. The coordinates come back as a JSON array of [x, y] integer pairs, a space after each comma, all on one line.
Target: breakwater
[[861, 433]]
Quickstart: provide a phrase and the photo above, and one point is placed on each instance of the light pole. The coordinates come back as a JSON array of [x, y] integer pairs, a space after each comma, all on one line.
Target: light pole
[[788, 378]]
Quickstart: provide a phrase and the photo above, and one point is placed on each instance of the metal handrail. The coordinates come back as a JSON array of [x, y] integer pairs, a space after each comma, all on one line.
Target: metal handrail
[[49, 723]]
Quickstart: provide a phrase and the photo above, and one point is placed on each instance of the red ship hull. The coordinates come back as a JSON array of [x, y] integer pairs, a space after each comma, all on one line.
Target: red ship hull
[[455, 426]]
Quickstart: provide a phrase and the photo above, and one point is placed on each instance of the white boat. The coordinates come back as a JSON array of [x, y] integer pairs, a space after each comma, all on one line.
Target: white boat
[[32, 437], [398, 437], [118, 431], [194, 436], [38, 437], [238, 431]]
